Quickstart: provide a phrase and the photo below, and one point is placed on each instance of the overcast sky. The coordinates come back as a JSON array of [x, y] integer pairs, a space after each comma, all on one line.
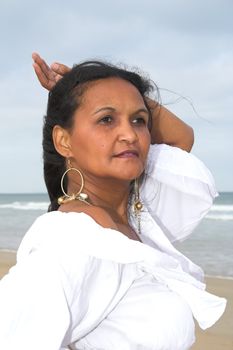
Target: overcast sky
[[185, 46]]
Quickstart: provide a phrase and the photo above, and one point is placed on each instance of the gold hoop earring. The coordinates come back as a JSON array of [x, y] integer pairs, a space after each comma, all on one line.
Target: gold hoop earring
[[83, 197], [137, 205]]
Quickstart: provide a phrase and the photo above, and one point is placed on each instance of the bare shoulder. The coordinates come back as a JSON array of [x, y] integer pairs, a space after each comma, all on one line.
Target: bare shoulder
[[99, 214]]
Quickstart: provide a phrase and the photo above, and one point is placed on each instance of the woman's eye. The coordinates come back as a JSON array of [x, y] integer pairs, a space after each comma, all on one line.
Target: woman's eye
[[106, 120], [139, 120]]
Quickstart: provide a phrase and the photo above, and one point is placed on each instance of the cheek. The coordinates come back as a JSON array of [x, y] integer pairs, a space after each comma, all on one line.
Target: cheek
[[92, 146], [100, 142], [145, 141], [102, 145]]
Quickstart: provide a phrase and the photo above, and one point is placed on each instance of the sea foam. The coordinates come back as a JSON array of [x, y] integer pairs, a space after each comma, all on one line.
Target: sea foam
[[25, 205]]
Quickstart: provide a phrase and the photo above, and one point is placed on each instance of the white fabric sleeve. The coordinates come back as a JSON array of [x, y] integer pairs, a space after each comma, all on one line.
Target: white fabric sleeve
[[37, 295], [177, 190]]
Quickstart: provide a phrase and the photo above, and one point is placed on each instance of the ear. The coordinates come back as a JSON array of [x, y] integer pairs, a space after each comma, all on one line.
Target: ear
[[61, 140]]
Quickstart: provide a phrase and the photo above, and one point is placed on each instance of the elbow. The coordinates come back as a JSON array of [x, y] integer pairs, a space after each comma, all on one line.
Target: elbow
[[190, 139], [187, 140]]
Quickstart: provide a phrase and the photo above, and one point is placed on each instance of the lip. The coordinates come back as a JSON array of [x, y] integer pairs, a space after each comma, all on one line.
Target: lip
[[127, 154]]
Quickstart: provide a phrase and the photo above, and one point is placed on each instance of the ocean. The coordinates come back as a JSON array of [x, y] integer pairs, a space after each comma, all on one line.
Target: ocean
[[210, 245]]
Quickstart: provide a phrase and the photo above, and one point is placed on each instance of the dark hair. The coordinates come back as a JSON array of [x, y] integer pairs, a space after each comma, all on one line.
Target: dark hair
[[63, 101]]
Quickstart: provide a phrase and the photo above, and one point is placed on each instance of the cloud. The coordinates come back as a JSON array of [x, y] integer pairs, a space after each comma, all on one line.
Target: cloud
[[185, 46]]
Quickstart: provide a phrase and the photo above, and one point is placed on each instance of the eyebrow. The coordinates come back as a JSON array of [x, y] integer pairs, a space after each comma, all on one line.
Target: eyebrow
[[105, 109], [108, 108]]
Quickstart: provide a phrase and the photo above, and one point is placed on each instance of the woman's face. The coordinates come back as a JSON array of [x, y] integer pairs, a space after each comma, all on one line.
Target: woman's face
[[110, 137]]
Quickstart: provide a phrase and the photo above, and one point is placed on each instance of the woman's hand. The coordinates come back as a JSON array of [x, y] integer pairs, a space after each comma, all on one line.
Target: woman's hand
[[48, 76]]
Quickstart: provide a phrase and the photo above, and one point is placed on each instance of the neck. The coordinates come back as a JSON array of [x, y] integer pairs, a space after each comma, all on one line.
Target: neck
[[111, 194]]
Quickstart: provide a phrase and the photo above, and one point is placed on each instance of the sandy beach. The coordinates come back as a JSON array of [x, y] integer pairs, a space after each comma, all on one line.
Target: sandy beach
[[218, 337], [7, 259]]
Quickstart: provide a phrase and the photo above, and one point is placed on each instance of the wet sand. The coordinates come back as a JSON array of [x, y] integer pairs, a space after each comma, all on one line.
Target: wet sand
[[218, 337]]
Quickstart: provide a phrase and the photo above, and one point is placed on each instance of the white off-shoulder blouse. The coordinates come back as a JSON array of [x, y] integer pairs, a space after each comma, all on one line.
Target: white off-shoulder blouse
[[78, 285]]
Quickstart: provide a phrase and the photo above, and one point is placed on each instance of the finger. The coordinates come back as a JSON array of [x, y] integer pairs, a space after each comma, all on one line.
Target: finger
[[57, 77], [59, 68], [44, 81], [41, 63]]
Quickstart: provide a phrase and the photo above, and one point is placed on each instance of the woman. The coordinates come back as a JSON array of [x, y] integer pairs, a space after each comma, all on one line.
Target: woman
[[99, 270]]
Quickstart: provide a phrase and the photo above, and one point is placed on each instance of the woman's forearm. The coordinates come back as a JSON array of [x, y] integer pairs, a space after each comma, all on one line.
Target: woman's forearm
[[168, 128]]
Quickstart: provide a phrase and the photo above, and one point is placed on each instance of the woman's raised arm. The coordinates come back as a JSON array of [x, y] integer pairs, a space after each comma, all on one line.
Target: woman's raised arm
[[169, 129]]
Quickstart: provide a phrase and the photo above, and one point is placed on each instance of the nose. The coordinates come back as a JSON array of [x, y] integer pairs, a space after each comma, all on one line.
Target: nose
[[127, 133]]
